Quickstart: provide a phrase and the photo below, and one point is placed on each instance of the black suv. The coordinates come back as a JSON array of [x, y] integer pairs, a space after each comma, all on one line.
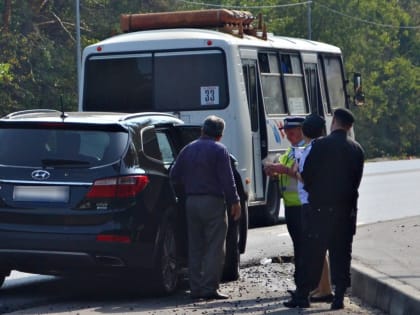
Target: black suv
[[89, 193]]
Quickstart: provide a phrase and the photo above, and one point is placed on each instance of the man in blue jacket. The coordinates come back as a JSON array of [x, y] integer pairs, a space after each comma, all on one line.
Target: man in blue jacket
[[204, 168]]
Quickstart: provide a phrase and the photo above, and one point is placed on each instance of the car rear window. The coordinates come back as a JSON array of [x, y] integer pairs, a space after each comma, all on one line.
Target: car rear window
[[60, 147]]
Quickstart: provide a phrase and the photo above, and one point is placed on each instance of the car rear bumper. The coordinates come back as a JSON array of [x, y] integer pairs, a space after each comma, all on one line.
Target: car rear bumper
[[46, 253]]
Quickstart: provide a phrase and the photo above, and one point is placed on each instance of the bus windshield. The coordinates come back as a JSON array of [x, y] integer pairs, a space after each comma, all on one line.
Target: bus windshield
[[156, 81]]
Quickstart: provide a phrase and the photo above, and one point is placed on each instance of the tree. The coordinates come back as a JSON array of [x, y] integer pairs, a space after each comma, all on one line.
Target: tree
[[7, 11], [380, 39]]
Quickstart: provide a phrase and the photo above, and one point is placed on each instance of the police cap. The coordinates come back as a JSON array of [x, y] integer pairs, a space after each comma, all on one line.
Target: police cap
[[293, 122]]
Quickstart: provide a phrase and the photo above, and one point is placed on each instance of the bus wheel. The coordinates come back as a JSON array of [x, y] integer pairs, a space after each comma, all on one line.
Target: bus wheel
[[270, 212], [243, 226]]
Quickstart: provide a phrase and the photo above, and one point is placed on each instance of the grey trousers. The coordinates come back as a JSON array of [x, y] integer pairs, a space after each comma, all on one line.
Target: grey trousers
[[207, 228]]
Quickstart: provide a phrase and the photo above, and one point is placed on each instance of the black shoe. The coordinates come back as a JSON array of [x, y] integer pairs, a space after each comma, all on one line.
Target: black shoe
[[325, 298], [215, 296], [297, 302], [337, 303], [292, 292]]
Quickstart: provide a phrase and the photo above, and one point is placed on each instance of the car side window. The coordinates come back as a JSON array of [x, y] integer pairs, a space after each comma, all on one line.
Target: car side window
[[150, 144], [168, 155]]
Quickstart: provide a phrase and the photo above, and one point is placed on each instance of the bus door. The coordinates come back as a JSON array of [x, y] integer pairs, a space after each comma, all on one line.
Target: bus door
[[316, 86], [259, 145]]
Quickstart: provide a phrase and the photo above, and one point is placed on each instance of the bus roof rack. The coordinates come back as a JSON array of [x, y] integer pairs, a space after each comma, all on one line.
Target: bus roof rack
[[230, 21]]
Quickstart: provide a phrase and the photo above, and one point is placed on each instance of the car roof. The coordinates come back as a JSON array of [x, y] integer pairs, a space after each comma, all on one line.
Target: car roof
[[100, 118]]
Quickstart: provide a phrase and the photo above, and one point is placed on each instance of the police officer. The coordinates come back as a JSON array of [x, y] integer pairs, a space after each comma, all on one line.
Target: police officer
[[313, 127], [288, 182], [332, 173]]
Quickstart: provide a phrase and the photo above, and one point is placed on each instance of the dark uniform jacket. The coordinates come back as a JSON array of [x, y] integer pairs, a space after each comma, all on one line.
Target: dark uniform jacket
[[333, 171]]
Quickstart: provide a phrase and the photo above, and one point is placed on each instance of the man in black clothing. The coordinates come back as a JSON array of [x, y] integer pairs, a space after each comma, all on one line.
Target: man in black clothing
[[332, 175]]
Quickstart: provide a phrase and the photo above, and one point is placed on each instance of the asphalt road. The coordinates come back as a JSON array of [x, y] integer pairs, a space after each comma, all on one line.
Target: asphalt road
[[260, 290], [380, 185]]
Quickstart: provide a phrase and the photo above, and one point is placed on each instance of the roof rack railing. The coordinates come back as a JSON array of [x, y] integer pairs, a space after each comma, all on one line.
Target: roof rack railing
[[234, 22], [143, 114], [30, 111]]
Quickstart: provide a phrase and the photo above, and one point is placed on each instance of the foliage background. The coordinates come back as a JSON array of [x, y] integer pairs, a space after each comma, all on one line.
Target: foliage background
[[380, 39]]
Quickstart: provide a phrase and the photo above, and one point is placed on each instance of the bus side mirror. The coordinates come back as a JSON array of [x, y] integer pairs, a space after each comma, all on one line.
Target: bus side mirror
[[359, 96]]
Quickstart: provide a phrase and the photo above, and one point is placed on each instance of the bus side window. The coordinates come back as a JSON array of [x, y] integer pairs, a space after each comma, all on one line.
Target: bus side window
[[314, 92], [263, 62], [250, 78], [271, 83], [294, 85], [325, 108], [286, 66], [334, 79]]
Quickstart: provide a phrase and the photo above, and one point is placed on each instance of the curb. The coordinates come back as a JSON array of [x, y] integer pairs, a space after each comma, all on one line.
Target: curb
[[381, 291]]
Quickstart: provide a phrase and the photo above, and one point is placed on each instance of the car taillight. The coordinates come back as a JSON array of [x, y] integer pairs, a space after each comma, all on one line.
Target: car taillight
[[113, 238], [118, 187]]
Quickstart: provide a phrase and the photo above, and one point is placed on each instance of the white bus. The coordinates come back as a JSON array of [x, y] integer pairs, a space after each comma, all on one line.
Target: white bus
[[253, 79]]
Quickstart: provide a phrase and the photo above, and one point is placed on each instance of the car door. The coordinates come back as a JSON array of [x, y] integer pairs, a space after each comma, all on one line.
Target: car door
[[171, 139]]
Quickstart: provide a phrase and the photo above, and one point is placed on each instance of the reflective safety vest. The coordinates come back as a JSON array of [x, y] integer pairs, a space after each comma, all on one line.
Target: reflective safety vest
[[288, 185]]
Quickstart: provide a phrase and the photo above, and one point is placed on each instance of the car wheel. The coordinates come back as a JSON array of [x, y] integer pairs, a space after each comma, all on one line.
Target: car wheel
[[166, 270], [232, 257]]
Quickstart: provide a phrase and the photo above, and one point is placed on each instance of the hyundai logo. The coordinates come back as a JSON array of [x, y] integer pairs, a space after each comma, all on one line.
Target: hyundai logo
[[40, 175]]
